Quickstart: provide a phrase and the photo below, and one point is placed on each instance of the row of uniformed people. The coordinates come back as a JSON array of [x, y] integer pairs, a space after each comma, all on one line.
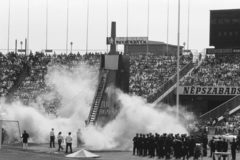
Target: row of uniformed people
[[165, 146]]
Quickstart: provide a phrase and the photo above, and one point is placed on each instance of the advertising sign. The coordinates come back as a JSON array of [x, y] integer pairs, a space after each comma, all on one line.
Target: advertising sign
[[127, 40], [199, 90], [223, 51]]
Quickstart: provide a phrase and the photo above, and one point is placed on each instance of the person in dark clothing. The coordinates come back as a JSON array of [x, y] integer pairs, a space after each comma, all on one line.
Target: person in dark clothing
[[25, 137], [185, 148], [147, 144], [233, 149], [191, 146], [168, 145], [224, 147], [3, 135], [144, 146], [205, 142], [178, 145], [140, 145], [212, 146], [160, 147], [151, 147], [219, 145], [238, 141], [156, 148], [135, 144]]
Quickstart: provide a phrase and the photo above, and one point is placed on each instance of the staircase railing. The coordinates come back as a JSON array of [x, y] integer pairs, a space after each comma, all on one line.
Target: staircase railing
[[95, 96], [166, 86], [219, 111]]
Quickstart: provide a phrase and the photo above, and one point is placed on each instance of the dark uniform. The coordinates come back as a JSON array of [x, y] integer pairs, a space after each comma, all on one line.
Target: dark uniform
[[161, 146], [135, 144], [212, 146], [185, 148], [191, 146], [168, 146], [205, 142], [3, 135], [140, 145], [152, 146], [233, 149]]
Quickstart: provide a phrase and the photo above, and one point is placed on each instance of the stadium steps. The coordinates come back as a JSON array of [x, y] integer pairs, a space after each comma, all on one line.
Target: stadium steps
[[17, 83], [92, 118], [170, 85], [232, 104]]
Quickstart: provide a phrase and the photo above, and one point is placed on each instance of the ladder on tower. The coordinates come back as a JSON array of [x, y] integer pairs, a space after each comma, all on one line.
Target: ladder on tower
[[92, 118]]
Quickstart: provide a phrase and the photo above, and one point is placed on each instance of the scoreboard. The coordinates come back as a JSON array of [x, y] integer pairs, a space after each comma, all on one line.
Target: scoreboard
[[225, 28]]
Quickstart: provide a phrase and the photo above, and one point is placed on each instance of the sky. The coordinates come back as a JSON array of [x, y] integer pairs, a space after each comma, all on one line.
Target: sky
[[133, 23]]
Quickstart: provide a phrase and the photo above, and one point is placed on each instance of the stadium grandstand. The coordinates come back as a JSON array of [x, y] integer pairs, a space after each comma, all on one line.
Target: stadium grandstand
[[206, 84]]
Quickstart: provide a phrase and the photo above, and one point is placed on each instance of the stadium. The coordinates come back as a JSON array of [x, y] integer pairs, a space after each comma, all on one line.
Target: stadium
[[139, 97]]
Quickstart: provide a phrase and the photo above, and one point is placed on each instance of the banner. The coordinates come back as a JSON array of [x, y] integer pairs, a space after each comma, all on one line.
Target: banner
[[198, 90], [223, 51], [127, 40]]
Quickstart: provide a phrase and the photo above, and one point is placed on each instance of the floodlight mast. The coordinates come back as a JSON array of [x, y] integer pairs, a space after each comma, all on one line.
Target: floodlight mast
[[178, 51]]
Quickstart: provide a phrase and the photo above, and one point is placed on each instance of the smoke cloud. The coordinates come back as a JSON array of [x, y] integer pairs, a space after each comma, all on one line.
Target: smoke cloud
[[77, 90]]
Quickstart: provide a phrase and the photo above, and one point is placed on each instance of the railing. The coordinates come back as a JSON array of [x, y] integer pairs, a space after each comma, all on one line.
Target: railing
[[94, 100], [219, 111], [101, 94], [166, 86]]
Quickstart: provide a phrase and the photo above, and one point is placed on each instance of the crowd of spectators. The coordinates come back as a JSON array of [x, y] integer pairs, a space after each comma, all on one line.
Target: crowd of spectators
[[148, 72], [221, 70], [37, 66], [230, 124], [11, 66]]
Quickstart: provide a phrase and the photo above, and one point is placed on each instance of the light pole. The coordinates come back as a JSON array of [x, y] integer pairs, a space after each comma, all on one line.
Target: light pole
[[71, 46], [21, 45], [178, 39]]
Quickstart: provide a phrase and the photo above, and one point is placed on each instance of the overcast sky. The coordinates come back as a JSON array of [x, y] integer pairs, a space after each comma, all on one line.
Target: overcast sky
[[97, 29]]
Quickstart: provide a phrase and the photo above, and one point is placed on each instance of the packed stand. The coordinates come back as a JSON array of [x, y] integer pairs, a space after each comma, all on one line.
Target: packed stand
[[35, 86], [11, 65], [148, 72], [220, 70]]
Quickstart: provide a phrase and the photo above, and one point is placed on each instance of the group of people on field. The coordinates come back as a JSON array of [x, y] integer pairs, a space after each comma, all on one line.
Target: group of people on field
[[169, 145], [60, 141]]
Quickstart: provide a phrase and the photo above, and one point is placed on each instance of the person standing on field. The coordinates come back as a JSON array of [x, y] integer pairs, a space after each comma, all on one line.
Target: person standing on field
[[68, 140]]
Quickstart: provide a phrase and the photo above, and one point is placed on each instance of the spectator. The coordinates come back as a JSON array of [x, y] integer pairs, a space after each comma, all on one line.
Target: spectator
[[233, 149], [52, 139], [60, 141], [25, 137], [68, 142], [3, 135]]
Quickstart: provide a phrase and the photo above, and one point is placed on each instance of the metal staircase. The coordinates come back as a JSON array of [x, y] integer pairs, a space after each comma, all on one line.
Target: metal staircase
[[232, 104], [92, 118], [175, 85], [170, 85]]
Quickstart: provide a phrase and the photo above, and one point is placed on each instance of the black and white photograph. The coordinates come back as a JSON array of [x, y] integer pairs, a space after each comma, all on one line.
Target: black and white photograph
[[120, 79]]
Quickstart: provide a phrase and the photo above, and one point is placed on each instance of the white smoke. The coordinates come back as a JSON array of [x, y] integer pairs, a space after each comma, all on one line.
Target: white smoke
[[135, 116]]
